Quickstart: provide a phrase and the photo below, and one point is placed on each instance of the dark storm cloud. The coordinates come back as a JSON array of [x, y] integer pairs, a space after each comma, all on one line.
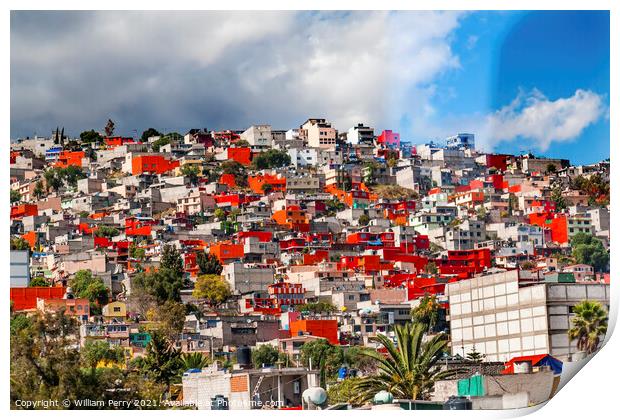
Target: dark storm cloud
[[178, 70]]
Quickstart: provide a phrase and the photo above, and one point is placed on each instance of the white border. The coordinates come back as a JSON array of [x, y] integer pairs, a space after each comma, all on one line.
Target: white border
[[590, 395]]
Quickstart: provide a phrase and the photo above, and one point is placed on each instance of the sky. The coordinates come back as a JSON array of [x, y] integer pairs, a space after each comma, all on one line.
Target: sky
[[520, 81]]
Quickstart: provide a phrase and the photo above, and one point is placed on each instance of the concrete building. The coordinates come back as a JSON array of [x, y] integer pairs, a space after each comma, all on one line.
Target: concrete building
[[258, 136], [360, 134], [303, 157], [20, 270], [246, 389], [504, 319], [245, 278], [318, 133], [461, 141]]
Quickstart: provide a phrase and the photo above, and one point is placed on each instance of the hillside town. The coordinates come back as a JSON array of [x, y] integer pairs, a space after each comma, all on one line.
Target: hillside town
[[314, 267]]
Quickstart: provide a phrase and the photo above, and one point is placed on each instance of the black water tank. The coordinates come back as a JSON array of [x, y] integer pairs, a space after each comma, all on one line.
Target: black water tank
[[457, 403], [244, 356]]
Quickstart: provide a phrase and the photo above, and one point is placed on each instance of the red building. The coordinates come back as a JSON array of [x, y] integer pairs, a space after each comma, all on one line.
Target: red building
[[557, 223], [23, 298], [389, 139], [287, 294], [242, 155], [262, 236], [465, 263], [112, 142]]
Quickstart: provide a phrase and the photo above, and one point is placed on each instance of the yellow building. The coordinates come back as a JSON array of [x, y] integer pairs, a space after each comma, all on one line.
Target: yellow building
[[114, 310]]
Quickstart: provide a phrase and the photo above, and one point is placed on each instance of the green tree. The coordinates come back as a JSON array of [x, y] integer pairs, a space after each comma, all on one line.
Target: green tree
[[357, 358], [106, 231], [267, 355], [192, 172], [588, 325], [90, 136], [588, 249], [149, 132], [558, 198], [219, 214], [163, 285], [171, 259], [137, 252], [412, 366], [39, 189], [317, 307], [162, 362], [44, 359], [19, 244], [87, 286], [194, 361], [213, 289], [100, 351], [15, 196], [208, 263], [324, 356], [52, 180], [159, 143], [363, 220], [344, 391], [427, 311], [431, 268], [551, 168], [475, 356], [39, 282], [171, 318], [267, 188], [272, 158]]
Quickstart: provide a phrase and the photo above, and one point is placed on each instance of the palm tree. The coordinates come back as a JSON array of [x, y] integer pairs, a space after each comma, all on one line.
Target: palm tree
[[411, 367], [589, 324], [427, 312], [194, 360]]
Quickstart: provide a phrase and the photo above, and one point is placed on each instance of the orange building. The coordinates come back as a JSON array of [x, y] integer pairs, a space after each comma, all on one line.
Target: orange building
[[69, 158], [23, 210], [153, 164], [326, 328], [79, 308], [292, 217], [31, 238], [226, 251], [256, 183], [228, 179]]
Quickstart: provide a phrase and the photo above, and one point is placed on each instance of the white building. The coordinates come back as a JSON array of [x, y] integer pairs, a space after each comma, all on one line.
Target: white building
[[258, 135], [360, 134], [303, 157], [503, 319]]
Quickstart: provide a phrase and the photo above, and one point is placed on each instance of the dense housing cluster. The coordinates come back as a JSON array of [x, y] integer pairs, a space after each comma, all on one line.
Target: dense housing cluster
[[261, 264]]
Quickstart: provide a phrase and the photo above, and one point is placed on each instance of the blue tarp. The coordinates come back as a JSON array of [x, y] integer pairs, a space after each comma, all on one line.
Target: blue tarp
[[553, 363]]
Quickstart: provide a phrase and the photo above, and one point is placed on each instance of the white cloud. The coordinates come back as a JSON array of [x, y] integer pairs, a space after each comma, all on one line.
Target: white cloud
[[224, 69], [535, 117]]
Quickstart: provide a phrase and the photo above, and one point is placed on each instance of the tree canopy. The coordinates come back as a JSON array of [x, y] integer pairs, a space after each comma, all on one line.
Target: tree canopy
[[213, 289], [588, 249]]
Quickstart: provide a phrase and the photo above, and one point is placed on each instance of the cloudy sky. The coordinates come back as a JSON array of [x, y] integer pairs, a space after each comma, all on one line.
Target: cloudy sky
[[519, 81]]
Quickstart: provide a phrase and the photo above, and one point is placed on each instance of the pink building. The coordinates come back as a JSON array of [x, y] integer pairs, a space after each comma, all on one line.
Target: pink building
[[389, 139]]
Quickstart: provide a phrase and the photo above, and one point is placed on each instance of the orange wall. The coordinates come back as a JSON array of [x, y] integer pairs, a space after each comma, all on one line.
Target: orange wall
[[152, 164], [326, 328]]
